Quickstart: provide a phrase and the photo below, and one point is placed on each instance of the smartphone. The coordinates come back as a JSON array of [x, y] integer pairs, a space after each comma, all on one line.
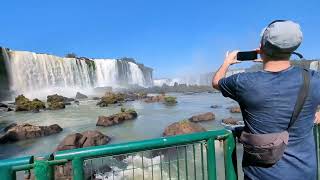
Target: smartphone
[[247, 55]]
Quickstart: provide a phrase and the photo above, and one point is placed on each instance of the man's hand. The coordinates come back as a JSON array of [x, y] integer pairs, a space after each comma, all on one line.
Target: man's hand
[[231, 58], [317, 118]]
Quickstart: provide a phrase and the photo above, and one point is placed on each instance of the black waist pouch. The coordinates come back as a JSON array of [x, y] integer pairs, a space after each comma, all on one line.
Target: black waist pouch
[[268, 149], [264, 149]]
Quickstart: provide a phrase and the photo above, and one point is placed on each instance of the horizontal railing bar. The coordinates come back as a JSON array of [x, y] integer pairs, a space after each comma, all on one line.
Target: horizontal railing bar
[[23, 167], [131, 147], [16, 161]]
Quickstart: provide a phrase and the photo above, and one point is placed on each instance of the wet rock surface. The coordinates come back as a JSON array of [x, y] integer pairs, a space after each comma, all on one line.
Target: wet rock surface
[[215, 106], [209, 116], [24, 104], [81, 96], [80, 140], [56, 102], [116, 118], [183, 127], [15, 132], [84, 139], [152, 99], [235, 109], [111, 98], [230, 121]]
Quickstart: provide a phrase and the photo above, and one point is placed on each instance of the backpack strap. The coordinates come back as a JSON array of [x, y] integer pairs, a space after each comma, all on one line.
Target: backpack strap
[[303, 93]]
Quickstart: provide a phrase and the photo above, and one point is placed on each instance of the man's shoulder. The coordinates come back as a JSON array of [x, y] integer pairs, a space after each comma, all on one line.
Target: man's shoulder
[[244, 76]]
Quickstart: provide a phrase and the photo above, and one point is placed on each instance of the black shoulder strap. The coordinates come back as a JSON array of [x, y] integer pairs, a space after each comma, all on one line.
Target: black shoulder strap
[[303, 93]]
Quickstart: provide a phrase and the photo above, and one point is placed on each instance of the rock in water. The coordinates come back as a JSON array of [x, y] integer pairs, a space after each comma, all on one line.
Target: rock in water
[[214, 106], [95, 98], [152, 99], [202, 117], [24, 104], [170, 100], [235, 109], [230, 121], [80, 140], [27, 131], [183, 127], [10, 126], [57, 102], [116, 118], [55, 98], [3, 105], [81, 96], [111, 98], [84, 139]]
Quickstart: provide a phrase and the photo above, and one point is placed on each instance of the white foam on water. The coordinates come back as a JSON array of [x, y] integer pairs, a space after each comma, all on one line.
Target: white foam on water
[[138, 173]]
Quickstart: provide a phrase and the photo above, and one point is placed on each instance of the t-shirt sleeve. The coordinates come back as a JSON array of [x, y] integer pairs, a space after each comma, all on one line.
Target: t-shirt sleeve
[[228, 86]]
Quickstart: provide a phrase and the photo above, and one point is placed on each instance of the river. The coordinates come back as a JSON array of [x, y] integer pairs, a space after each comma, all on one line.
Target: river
[[151, 122]]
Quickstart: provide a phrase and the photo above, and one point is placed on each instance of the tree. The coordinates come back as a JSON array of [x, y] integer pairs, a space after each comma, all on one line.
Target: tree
[[71, 55]]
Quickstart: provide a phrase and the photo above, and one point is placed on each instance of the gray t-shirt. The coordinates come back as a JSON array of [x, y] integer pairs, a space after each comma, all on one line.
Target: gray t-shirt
[[267, 101]]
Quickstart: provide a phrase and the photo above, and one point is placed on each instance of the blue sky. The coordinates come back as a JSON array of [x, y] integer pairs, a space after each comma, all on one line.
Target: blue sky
[[174, 37]]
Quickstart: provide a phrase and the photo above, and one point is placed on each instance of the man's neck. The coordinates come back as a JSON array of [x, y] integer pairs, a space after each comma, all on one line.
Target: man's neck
[[276, 66]]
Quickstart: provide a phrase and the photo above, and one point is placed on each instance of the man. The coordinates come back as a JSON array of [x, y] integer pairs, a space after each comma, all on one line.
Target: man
[[267, 100]]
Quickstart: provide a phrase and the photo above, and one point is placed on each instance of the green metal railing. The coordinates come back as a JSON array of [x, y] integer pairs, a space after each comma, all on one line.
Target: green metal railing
[[190, 156], [187, 149]]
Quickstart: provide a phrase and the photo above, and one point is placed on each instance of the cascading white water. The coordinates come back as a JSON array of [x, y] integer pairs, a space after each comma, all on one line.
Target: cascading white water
[[38, 75], [115, 73], [315, 65], [136, 75], [33, 73], [106, 72]]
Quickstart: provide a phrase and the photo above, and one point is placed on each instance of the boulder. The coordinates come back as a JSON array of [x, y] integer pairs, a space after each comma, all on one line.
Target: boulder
[[214, 106], [2, 105], [230, 121], [170, 100], [235, 109], [10, 126], [80, 140], [24, 104], [152, 99], [36, 104], [130, 96], [96, 98], [182, 127], [84, 139], [116, 118], [56, 102], [202, 117], [27, 131], [81, 96], [56, 105], [55, 98], [111, 98]]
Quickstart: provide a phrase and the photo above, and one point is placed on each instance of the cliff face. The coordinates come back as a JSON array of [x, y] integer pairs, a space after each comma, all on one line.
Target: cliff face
[[4, 77], [33, 74]]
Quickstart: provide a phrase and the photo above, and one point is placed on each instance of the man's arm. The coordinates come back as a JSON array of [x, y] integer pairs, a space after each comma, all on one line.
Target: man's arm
[[231, 58]]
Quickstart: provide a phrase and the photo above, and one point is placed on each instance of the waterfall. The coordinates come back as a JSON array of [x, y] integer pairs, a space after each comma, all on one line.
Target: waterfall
[[315, 65], [37, 75]]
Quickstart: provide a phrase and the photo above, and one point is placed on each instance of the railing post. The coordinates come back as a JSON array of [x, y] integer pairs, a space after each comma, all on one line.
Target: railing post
[[211, 160], [77, 169], [230, 157], [42, 169], [317, 143]]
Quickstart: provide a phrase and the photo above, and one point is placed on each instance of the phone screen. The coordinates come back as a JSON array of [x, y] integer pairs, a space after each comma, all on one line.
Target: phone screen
[[247, 55]]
